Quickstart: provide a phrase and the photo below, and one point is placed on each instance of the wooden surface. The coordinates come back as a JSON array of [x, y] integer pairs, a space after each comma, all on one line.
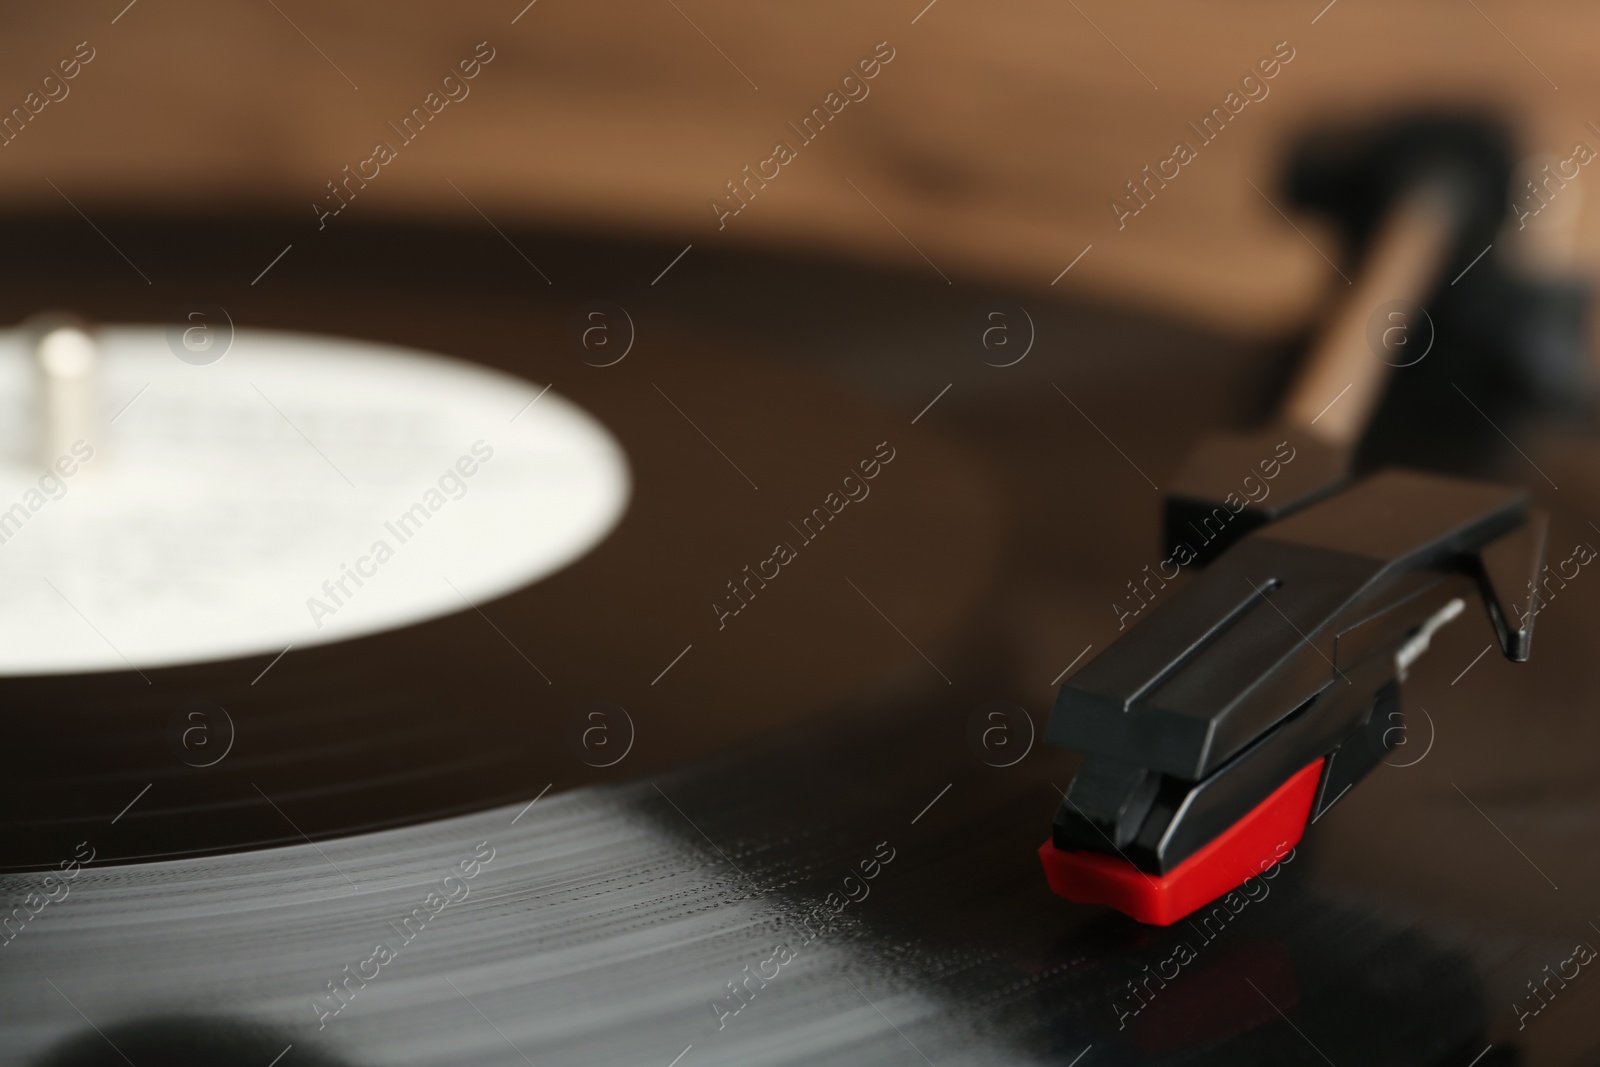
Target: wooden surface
[[994, 140]]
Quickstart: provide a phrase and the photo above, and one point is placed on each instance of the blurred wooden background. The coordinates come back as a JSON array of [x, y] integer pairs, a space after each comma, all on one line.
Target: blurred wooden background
[[994, 140]]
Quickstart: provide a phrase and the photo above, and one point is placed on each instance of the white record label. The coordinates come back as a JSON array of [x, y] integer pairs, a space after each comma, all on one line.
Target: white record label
[[300, 490]]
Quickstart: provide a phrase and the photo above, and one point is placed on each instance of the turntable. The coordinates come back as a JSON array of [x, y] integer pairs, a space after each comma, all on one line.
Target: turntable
[[468, 642]]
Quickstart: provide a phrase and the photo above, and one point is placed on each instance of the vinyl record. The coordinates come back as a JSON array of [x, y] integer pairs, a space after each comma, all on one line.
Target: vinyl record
[[418, 846]]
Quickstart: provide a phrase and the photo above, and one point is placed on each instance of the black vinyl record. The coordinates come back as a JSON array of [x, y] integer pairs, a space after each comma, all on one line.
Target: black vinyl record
[[819, 844]]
